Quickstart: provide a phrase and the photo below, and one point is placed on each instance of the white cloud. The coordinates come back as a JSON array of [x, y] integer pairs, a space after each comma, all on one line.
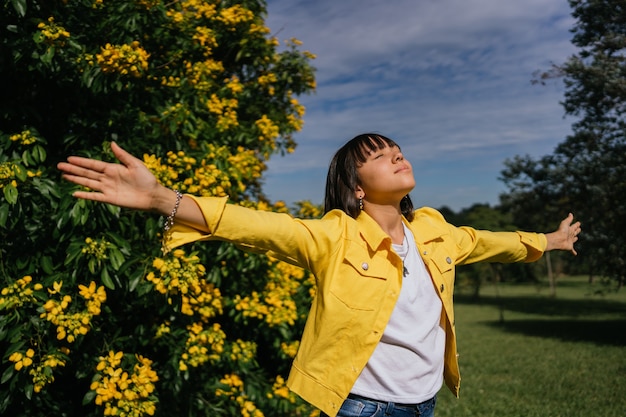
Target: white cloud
[[449, 79]]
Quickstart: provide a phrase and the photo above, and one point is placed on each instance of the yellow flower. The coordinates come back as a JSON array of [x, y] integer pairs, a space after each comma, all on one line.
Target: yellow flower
[[235, 15], [268, 129], [96, 248], [22, 360], [290, 349], [25, 137], [206, 38], [234, 84], [127, 59], [125, 390], [52, 32], [97, 294], [56, 287], [42, 374], [19, 293], [87, 292]]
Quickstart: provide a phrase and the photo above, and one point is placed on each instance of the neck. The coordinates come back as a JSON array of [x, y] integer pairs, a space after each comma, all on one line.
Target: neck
[[389, 218]]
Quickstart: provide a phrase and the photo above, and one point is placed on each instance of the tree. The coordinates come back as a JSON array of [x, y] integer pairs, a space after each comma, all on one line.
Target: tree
[[586, 173], [94, 318]]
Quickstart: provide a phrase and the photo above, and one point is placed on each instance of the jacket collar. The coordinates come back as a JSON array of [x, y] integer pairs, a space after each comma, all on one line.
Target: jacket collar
[[371, 231], [423, 229]]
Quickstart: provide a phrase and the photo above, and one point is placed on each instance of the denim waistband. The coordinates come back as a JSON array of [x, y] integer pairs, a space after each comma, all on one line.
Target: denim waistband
[[387, 403]]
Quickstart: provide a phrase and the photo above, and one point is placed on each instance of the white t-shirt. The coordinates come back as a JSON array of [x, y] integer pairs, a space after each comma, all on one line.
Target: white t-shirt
[[407, 365]]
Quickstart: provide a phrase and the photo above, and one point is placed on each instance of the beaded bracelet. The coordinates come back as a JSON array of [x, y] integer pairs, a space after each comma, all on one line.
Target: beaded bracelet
[[169, 221]]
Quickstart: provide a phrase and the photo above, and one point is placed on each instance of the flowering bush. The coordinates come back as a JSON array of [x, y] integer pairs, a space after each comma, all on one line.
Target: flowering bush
[[95, 320]]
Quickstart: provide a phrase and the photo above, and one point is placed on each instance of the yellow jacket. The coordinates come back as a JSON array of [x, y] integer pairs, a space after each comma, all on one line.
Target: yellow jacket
[[358, 279]]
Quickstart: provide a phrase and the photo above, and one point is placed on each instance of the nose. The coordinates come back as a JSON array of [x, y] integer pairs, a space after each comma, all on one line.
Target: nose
[[398, 157]]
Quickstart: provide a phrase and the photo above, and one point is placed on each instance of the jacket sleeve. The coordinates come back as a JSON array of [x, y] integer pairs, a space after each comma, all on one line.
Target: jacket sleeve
[[506, 247], [472, 245], [296, 241]]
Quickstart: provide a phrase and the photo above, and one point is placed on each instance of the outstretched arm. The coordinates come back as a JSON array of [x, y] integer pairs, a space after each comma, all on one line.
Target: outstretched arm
[[129, 184], [565, 236]]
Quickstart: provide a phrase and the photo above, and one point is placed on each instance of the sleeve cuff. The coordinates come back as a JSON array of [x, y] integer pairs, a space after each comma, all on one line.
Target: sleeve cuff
[[535, 243], [212, 209]]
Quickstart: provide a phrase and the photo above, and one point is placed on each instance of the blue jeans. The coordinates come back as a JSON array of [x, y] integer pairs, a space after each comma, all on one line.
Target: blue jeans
[[355, 406]]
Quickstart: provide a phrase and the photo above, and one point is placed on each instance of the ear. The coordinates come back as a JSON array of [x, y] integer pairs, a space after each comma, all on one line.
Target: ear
[[359, 192]]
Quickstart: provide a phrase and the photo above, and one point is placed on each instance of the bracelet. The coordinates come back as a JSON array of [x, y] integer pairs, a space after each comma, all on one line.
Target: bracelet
[[169, 221]]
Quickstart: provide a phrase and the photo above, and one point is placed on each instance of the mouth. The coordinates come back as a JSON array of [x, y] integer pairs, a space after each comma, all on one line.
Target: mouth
[[403, 168]]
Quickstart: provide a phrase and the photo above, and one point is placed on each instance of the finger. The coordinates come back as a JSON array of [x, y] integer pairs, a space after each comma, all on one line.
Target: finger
[[74, 170], [79, 166], [83, 181], [124, 157], [89, 195], [568, 220]]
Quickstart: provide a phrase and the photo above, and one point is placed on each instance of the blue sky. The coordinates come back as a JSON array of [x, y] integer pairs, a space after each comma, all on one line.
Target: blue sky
[[449, 80]]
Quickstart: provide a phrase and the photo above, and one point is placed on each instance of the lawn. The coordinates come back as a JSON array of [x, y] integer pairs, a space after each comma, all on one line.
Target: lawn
[[523, 353]]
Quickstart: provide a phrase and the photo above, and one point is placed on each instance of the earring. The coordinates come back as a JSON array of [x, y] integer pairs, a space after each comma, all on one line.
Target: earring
[[361, 203]]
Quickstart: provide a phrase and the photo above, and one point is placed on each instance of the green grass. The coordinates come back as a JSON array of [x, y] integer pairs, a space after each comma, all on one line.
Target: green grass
[[523, 353]]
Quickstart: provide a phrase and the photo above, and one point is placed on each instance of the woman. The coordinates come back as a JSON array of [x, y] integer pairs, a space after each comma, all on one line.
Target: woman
[[380, 336]]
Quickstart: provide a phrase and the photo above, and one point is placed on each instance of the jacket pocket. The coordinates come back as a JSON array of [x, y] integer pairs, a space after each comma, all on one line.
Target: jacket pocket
[[445, 268], [361, 280]]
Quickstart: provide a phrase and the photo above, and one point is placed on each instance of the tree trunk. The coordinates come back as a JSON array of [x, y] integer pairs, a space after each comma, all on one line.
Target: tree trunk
[[550, 276]]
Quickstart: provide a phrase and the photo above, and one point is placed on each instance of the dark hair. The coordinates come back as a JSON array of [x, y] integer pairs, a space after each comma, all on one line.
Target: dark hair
[[342, 178]]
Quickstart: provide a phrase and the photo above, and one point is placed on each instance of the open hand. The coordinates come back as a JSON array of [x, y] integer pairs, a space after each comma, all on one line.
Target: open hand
[[565, 236], [129, 184]]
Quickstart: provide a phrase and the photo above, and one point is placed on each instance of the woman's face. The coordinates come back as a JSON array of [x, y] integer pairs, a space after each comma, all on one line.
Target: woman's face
[[386, 177]]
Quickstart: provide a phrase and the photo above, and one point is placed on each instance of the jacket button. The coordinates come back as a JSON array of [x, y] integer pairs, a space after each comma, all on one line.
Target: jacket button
[[441, 287], [448, 260], [365, 266]]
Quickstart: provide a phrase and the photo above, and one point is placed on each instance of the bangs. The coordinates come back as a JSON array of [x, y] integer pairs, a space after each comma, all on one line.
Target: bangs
[[364, 145]]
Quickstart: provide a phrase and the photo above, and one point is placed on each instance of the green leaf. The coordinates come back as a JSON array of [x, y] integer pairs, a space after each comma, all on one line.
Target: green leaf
[[115, 210], [7, 374], [20, 172], [46, 265], [88, 398], [47, 57], [92, 265], [39, 153], [86, 215], [106, 279], [38, 37], [20, 7], [28, 391], [76, 212], [73, 252], [117, 259], [3, 329], [134, 279], [27, 159], [75, 44], [4, 215], [10, 193]]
